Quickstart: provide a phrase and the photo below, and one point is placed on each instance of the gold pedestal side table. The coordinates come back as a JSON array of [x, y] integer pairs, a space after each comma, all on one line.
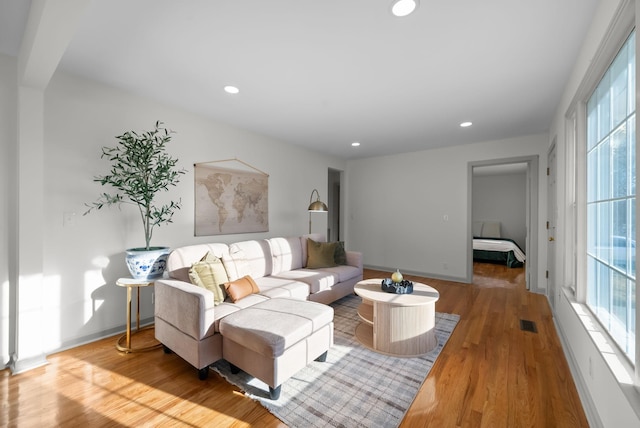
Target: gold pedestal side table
[[131, 283]]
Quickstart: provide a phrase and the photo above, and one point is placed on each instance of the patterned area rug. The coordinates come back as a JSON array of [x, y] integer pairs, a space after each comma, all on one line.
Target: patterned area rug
[[355, 387]]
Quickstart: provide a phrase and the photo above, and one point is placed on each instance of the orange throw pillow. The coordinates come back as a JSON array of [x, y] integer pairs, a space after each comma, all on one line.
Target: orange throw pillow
[[241, 287]]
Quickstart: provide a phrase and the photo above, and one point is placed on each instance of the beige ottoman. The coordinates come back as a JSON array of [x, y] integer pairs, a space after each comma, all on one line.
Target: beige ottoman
[[274, 339]]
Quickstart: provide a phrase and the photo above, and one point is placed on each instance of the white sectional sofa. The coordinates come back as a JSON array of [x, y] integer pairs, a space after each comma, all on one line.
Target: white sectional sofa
[[186, 319]]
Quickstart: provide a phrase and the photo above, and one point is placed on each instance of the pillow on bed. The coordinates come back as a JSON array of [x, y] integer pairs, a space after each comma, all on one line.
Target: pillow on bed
[[477, 229], [491, 229]]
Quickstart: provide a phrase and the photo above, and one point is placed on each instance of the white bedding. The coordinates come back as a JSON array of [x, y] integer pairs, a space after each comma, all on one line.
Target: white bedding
[[498, 245]]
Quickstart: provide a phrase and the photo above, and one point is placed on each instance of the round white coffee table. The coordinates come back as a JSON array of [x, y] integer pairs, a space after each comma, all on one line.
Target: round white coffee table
[[397, 324]]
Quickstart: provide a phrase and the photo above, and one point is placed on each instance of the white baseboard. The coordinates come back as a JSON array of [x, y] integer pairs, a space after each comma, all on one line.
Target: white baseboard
[[20, 365], [585, 398], [17, 365], [422, 274]]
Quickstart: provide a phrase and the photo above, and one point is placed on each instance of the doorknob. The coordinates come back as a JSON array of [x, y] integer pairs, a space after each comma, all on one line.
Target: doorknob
[[551, 238]]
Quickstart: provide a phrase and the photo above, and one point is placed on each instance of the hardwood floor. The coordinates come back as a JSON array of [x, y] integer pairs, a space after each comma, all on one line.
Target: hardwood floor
[[490, 374]]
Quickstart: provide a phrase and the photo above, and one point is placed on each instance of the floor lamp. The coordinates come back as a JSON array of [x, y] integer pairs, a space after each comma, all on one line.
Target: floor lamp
[[316, 206]]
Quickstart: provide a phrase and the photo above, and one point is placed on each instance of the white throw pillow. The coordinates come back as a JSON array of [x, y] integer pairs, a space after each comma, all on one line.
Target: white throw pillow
[[235, 263]]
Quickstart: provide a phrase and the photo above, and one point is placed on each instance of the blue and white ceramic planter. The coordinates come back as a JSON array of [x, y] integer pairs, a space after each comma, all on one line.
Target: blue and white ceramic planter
[[147, 264]]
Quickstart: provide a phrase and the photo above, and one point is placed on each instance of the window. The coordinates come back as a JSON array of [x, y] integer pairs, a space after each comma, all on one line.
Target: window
[[611, 194]]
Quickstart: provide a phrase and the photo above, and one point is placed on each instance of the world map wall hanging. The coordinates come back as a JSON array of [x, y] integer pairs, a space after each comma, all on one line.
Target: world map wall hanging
[[229, 199]]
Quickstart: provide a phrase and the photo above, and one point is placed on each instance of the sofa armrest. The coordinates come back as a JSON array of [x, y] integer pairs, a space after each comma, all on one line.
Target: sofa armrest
[[354, 258], [187, 307]]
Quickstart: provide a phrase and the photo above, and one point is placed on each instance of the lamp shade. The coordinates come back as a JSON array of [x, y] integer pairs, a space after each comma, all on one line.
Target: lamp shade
[[318, 206]]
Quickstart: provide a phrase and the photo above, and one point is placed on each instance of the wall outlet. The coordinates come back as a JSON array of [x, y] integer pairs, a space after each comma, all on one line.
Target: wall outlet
[[153, 298]]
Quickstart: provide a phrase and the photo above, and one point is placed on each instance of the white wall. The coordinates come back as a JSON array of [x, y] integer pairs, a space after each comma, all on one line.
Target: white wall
[[82, 260], [414, 193], [8, 79], [502, 198], [405, 229], [607, 402]]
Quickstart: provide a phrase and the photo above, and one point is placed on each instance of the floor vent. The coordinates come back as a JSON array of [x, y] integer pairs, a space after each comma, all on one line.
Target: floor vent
[[527, 325]]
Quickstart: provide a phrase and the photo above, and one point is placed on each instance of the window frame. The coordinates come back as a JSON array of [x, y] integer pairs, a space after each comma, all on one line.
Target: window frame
[[575, 121], [601, 148]]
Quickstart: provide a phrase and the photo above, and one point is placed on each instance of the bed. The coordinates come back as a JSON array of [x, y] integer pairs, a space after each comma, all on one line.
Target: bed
[[489, 246]]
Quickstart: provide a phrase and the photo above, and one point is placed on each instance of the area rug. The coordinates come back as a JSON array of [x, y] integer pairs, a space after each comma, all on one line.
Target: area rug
[[355, 387]]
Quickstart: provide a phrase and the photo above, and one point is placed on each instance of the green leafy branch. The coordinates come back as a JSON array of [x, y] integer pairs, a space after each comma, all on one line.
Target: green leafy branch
[[140, 168]]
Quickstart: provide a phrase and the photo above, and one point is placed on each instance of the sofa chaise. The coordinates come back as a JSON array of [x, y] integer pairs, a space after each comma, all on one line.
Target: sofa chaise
[[187, 320]]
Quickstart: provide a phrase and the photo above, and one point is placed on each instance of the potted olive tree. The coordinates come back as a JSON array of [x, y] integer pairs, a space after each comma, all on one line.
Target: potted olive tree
[[140, 168]]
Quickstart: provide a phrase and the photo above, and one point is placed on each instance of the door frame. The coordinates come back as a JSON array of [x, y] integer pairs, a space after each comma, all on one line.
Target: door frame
[[531, 250], [552, 224], [335, 197]]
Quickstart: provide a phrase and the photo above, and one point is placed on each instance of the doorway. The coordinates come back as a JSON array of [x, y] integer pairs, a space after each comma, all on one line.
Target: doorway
[[521, 222], [334, 204]]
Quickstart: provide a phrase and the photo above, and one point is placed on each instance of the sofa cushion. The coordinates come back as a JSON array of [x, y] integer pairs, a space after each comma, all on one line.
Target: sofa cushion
[[235, 263], [248, 301], [209, 273], [286, 253], [222, 310], [320, 254], [271, 287], [317, 280], [343, 272], [180, 260], [257, 256], [227, 307], [271, 327], [241, 287]]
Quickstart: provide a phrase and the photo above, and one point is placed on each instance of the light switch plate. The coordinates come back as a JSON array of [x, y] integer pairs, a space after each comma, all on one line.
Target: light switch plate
[[68, 218]]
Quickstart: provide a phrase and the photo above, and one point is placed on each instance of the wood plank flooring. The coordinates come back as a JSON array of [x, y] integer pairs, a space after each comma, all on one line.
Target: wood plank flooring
[[490, 374]]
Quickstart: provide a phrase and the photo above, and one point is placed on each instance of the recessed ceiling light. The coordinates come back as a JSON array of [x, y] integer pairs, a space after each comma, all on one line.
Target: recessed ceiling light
[[403, 7], [355, 143], [466, 124], [231, 89]]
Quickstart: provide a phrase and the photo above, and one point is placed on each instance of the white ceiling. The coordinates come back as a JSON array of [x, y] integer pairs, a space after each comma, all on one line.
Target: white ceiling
[[325, 73]]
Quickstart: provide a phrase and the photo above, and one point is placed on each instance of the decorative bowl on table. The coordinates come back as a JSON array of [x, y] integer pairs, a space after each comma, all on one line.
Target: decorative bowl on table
[[402, 287]]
